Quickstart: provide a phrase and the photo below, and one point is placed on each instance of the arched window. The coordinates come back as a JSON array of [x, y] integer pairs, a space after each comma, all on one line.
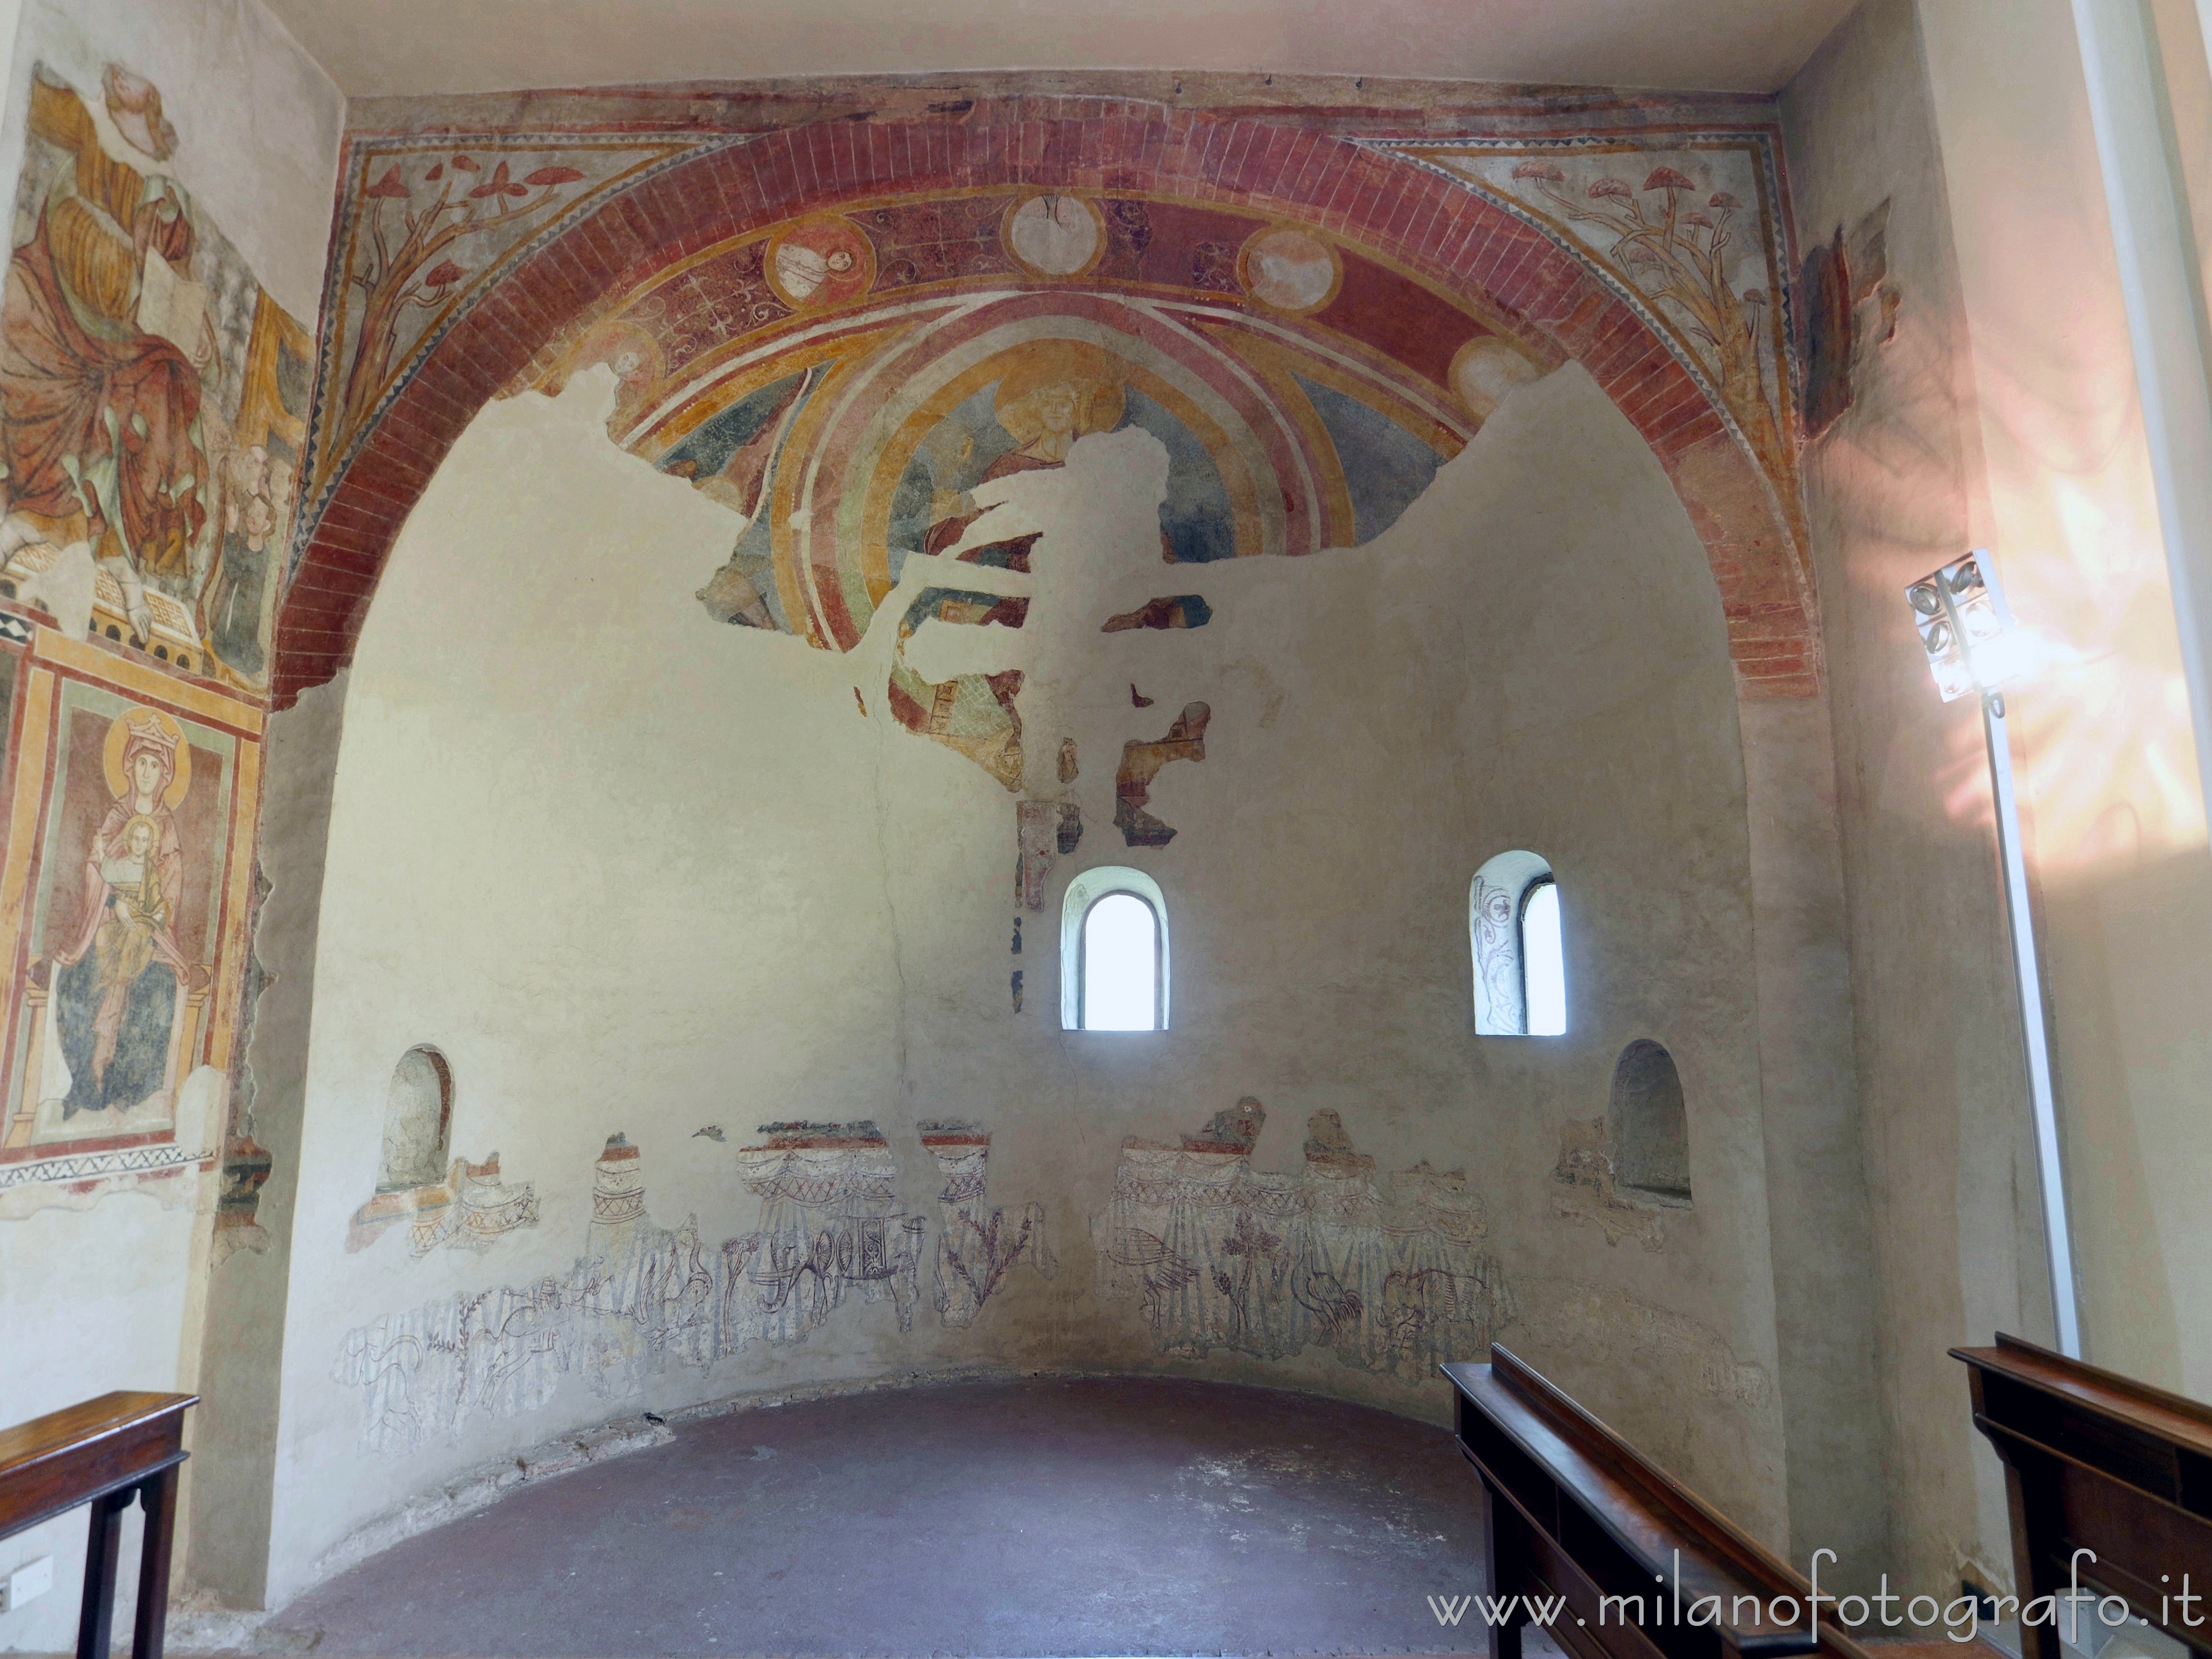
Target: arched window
[[418, 1121], [1114, 953], [1520, 952], [1650, 1130]]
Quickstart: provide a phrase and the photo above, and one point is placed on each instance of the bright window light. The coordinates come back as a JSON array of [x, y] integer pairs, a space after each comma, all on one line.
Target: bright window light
[[1543, 962], [1121, 965]]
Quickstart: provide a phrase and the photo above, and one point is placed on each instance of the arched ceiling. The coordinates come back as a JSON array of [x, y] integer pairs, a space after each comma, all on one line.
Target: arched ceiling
[[413, 46], [843, 330]]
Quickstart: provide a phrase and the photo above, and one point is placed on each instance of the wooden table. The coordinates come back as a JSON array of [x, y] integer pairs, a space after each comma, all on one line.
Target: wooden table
[[1574, 1513], [2101, 1465], [106, 1452]]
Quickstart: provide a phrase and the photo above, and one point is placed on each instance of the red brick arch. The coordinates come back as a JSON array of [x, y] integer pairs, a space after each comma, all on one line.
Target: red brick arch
[[1450, 233]]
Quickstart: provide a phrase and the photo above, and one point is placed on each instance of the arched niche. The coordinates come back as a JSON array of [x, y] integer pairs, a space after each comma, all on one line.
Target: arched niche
[[1650, 1129], [418, 1121]]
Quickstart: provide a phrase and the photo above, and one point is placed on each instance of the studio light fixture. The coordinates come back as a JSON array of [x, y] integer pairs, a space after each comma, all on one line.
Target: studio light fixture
[[1975, 648]]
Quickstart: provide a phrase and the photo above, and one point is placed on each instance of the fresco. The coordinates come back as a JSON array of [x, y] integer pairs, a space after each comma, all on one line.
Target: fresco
[[1175, 611], [122, 909], [1583, 1191], [468, 1209], [830, 1231], [1140, 764], [1045, 831], [642, 1297], [426, 227], [1386, 1270], [948, 364], [976, 1247], [153, 398], [1693, 232]]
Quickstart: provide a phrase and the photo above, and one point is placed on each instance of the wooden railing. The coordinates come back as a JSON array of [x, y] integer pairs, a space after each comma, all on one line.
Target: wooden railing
[[1578, 1518], [106, 1452], [2110, 1485]]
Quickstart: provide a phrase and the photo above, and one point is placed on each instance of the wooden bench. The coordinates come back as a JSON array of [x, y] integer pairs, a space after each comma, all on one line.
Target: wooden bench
[[106, 1452], [2099, 1464], [1576, 1517]]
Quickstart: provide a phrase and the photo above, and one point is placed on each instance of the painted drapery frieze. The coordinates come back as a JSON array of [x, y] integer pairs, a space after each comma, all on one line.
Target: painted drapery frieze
[[977, 1246], [831, 1236], [122, 897], [1385, 1270], [153, 397]]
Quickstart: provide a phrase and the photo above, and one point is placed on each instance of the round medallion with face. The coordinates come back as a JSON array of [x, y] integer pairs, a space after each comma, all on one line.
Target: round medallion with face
[[821, 262]]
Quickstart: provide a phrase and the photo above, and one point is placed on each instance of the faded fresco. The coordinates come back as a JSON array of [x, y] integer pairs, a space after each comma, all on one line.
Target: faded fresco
[[1692, 233], [1141, 763], [121, 911], [977, 1247], [153, 400], [887, 423], [1387, 1270], [426, 226], [830, 1234], [469, 1207], [830, 1231]]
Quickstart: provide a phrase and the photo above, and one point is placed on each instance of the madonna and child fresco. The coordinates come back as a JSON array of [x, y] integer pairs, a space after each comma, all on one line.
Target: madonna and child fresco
[[152, 398], [123, 943]]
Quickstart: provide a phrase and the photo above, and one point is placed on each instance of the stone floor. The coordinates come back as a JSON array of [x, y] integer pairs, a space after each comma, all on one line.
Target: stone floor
[[1049, 1517]]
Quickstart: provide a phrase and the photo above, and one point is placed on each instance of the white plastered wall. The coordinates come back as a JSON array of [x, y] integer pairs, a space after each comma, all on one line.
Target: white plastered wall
[[633, 871]]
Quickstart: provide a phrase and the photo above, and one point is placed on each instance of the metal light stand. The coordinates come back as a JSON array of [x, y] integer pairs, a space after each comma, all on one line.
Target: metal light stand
[[2020, 919]]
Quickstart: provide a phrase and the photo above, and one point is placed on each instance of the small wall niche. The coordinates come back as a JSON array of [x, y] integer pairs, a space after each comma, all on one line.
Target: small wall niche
[[418, 1121], [1650, 1128]]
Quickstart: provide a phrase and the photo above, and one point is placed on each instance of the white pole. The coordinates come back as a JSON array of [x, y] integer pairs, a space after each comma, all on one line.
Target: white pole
[[2058, 1238]]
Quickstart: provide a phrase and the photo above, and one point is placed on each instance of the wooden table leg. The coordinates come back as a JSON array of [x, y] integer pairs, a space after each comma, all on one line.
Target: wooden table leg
[[96, 1622], [159, 1497], [1501, 1529], [2034, 1519]]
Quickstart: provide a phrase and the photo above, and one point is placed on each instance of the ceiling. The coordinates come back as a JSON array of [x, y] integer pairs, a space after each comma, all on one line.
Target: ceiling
[[415, 46]]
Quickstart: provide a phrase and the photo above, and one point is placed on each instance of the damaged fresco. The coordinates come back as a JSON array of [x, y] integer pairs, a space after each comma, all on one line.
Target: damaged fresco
[[123, 899], [471, 1207], [642, 1297], [1385, 1270], [976, 1247], [127, 311]]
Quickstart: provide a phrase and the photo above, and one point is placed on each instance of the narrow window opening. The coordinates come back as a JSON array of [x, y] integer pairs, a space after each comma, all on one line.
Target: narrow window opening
[[1113, 955], [1121, 965], [1516, 935], [1543, 960]]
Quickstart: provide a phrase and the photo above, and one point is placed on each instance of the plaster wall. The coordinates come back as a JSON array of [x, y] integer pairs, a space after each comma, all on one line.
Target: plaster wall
[[107, 1290], [635, 873], [2107, 745], [2002, 414]]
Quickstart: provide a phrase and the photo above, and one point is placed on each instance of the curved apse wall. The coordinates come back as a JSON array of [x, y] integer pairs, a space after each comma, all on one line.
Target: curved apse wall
[[714, 947]]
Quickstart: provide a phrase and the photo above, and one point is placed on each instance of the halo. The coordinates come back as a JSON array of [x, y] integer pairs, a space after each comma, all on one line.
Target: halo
[[119, 736]]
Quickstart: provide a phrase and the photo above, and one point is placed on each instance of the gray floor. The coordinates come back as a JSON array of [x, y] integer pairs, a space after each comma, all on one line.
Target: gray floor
[[1048, 1517]]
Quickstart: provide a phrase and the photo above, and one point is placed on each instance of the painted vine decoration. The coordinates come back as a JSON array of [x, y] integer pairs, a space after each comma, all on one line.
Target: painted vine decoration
[[1676, 255], [403, 274]]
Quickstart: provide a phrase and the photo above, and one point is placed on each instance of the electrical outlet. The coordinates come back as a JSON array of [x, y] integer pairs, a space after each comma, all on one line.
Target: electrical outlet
[[26, 1584]]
